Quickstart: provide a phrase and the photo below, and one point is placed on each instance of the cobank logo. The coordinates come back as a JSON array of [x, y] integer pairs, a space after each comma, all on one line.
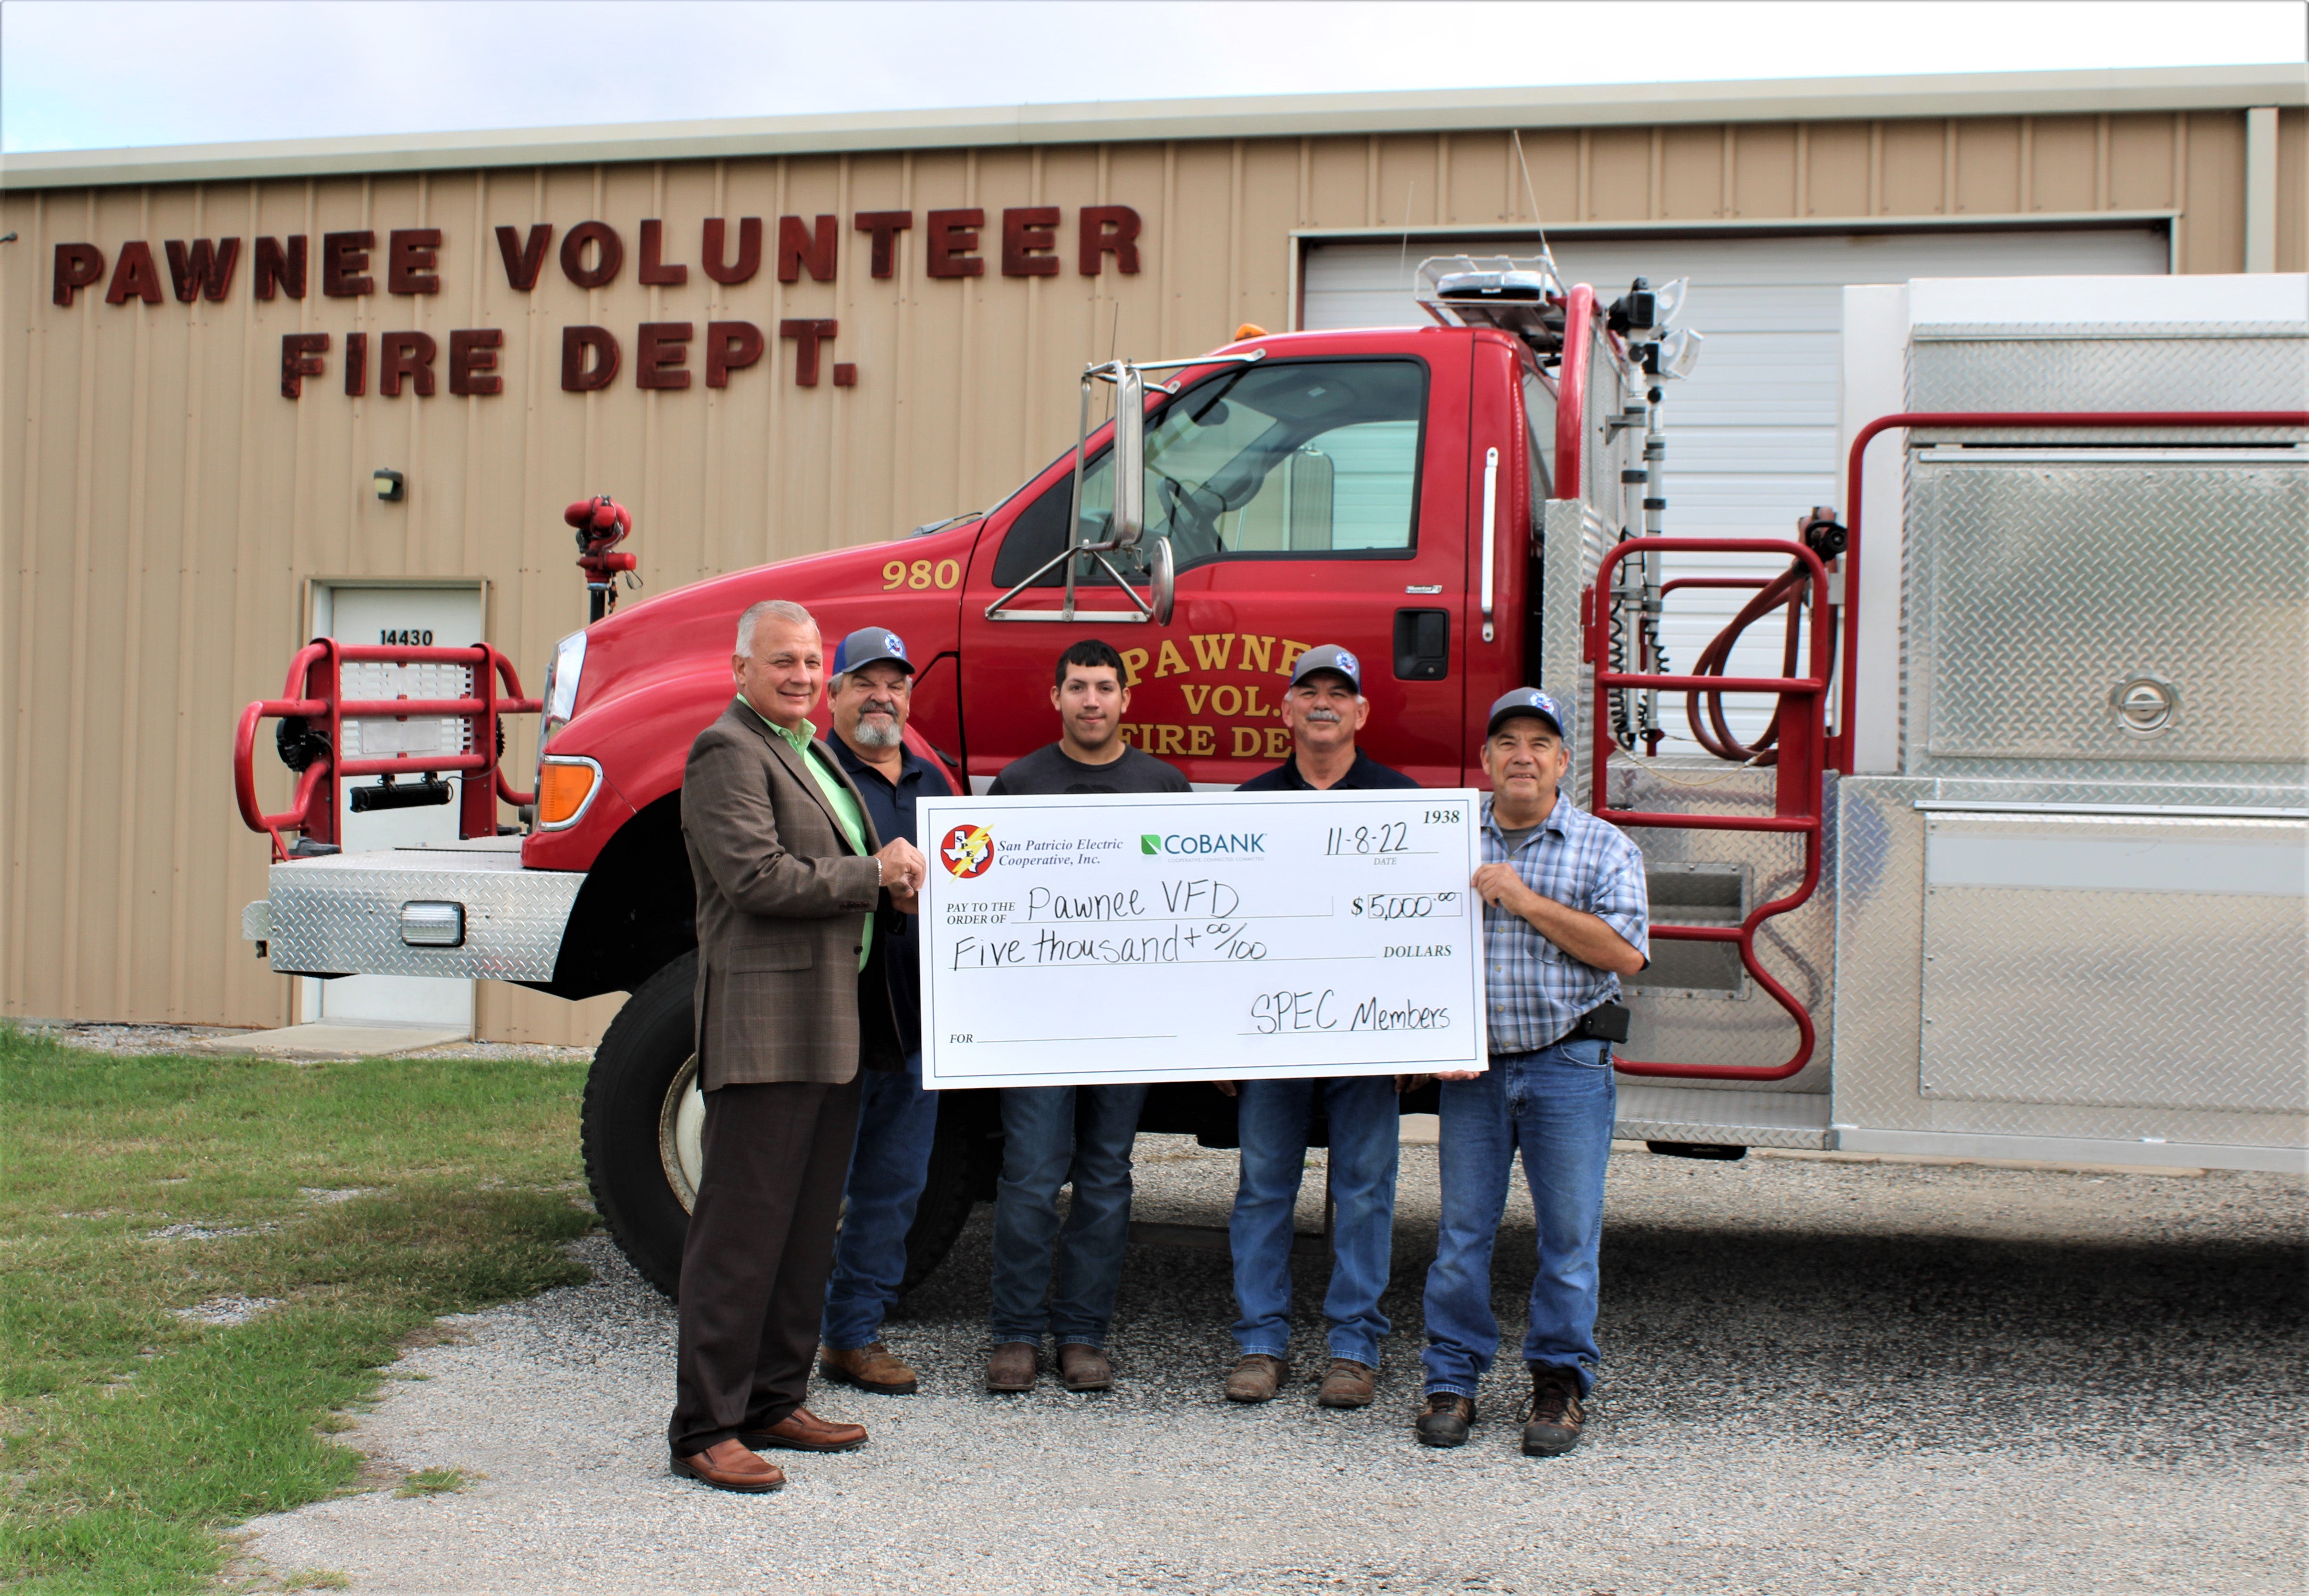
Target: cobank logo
[[966, 851], [1203, 843]]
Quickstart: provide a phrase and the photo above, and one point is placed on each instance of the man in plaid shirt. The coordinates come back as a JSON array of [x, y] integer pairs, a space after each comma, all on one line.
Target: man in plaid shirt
[[1565, 916]]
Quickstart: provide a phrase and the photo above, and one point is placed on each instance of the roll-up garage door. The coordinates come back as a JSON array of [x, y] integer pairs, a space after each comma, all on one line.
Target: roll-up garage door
[[1752, 435]]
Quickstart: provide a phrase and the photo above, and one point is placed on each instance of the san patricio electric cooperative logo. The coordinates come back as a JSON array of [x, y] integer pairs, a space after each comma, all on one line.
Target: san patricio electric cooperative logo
[[967, 851]]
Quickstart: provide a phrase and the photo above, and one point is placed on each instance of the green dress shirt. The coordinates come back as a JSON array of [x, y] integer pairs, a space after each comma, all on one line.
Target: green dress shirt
[[819, 763]]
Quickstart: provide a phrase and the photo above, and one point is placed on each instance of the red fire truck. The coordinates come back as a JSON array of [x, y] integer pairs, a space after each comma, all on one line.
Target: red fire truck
[[2065, 839]]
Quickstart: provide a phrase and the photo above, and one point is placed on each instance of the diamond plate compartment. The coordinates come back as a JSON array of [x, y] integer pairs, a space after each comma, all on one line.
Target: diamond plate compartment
[[1880, 1009], [341, 915], [2113, 366], [2158, 963], [1742, 1027], [1653, 1112], [2040, 593]]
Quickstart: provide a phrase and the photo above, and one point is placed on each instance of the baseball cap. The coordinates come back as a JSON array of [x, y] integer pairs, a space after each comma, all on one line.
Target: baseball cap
[[868, 644], [1528, 701], [1329, 657]]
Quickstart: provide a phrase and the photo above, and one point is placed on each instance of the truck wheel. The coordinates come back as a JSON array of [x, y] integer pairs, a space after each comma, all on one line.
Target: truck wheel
[[642, 1107], [644, 1117], [945, 1207]]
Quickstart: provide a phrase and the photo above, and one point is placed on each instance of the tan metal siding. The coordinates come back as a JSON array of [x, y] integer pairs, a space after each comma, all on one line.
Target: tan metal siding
[[165, 510]]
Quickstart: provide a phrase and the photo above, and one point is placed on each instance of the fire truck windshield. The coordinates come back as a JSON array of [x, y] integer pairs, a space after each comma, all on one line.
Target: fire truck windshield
[[1297, 457]]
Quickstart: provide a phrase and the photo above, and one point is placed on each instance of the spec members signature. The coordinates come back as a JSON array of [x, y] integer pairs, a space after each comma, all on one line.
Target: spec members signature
[[1273, 1013]]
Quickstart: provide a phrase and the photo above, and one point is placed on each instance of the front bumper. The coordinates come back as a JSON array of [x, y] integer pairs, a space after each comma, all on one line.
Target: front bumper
[[352, 914]]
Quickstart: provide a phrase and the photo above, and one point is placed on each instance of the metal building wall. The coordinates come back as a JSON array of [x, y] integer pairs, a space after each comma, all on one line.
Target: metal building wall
[[165, 508]]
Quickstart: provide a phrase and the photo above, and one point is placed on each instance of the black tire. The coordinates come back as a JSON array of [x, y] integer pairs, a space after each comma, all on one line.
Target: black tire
[[639, 1058], [945, 1206], [636, 1067]]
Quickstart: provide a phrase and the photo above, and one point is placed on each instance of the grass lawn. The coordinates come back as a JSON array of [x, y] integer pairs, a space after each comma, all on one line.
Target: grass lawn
[[131, 1436]]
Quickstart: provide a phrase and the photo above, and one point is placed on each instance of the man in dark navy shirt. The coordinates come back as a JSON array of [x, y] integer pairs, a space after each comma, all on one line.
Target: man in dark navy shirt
[[1326, 707], [870, 694]]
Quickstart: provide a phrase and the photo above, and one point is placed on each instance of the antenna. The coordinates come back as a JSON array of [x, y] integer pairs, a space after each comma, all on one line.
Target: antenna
[[1516, 135]]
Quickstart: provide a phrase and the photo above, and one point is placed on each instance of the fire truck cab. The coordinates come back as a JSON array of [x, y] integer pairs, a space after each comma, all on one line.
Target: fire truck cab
[[1978, 831]]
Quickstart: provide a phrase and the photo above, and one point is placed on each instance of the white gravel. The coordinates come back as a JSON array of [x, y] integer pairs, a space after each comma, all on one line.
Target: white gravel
[[227, 1310], [1822, 1377]]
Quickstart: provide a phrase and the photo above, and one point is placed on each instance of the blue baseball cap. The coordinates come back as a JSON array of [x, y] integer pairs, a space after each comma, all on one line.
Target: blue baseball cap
[[868, 645], [1332, 658], [1528, 701]]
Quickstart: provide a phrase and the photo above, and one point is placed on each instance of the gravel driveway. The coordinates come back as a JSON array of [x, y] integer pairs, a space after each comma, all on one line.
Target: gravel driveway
[[1822, 1376]]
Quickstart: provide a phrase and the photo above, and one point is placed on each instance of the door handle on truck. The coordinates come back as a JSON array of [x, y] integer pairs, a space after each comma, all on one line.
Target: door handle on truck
[[1491, 532]]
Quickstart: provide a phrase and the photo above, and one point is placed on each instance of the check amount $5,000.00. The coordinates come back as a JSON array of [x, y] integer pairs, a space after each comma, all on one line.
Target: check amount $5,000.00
[[1208, 937]]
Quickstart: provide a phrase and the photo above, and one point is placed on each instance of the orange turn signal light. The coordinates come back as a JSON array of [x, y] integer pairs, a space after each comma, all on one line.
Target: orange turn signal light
[[562, 790]]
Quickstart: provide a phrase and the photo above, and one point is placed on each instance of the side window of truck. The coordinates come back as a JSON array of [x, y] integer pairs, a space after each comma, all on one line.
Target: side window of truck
[[1308, 459]]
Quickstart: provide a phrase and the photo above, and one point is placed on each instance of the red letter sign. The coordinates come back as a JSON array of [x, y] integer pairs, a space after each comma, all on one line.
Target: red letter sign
[[134, 273], [576, 376], [729, 346], [405, 355], [472, 360], [886, 226], [277, 269], [78, 265], [410, 258], [658, 361], [1029, 234], [300, 358], [749, 250], [654, 269], [605, 267], [524, 261], [953, 234], [1122, 243], [344, 263]]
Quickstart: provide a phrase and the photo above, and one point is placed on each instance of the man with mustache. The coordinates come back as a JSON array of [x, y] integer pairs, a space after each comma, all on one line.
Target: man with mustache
[[1325, 707], [871, 695]]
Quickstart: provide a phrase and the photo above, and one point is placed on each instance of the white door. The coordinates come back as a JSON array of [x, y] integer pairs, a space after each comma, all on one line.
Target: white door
[[1752, 438], [443, 617]]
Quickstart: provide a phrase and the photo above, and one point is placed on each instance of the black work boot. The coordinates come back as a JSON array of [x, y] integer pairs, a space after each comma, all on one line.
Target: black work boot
[[1444, 1419], [1554, 1417]]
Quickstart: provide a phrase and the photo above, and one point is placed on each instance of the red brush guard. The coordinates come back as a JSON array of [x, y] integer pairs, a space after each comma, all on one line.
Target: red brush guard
[[314, 694]]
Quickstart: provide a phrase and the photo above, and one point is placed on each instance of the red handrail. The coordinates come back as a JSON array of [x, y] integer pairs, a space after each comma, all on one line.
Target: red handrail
[[313, 813], [1798, 781]]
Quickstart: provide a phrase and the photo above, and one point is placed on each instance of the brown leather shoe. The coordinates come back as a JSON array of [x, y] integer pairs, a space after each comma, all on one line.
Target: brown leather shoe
[[802, 1430], [1013, 1366], [1349, 1384], [1085, 1368], [1553, 1415], [728, 1466], [1257, 1378], [873, 1368], [1444, 1419]]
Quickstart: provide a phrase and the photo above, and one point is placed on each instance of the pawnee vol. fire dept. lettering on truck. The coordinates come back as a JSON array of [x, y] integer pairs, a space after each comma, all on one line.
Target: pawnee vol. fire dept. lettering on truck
[[2000, 724]]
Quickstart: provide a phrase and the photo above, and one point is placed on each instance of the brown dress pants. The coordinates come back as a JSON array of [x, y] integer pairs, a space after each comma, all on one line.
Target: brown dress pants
[[760, 1248]]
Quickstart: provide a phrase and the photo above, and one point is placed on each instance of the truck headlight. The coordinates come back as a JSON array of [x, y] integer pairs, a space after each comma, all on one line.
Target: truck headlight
[[561, 685]]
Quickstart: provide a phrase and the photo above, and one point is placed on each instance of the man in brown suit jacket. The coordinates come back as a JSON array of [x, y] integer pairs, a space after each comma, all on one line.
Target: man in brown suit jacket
[[791, 1001]]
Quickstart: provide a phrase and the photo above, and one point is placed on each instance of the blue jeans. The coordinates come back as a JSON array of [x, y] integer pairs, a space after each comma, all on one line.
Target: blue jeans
[[897, 1121], [1557, 1105], [1365, 1127], [1052, 1135]]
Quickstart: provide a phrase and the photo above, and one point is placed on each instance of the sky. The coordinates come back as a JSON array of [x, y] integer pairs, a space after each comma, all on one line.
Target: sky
[[106, 74]]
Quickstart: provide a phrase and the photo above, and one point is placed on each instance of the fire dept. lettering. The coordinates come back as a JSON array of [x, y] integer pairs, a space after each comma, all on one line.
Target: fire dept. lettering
[[591, 254]]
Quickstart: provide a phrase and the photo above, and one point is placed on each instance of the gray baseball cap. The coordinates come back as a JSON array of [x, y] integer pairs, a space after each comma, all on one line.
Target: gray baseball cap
[[1528, 701], [866, 646], [1330, 657]]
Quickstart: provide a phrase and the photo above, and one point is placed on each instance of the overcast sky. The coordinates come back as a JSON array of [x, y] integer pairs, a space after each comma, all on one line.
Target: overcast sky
[[102, 73]]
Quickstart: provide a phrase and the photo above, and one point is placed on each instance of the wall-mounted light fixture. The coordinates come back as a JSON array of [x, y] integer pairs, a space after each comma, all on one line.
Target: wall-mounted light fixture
[[388, 486]]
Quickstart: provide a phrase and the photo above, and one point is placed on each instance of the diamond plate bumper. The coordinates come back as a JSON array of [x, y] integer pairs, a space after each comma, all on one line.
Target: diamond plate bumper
[[342, 915]]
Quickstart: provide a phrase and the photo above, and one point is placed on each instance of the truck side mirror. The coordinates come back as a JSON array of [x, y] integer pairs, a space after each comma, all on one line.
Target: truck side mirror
[[1162, 582], [1129, 459]]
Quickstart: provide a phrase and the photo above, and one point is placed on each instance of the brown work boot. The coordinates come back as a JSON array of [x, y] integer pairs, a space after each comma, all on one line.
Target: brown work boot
[[1084, 1367], [728, 1466], [1349, 1384], [802, 1430], [1553, 1415], [1444, 1419], [1257, 1378], [1013, 1366], [873, 1368]]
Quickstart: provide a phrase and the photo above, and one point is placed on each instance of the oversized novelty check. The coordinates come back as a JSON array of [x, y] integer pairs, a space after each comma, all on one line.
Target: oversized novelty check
[[1068, 941]]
